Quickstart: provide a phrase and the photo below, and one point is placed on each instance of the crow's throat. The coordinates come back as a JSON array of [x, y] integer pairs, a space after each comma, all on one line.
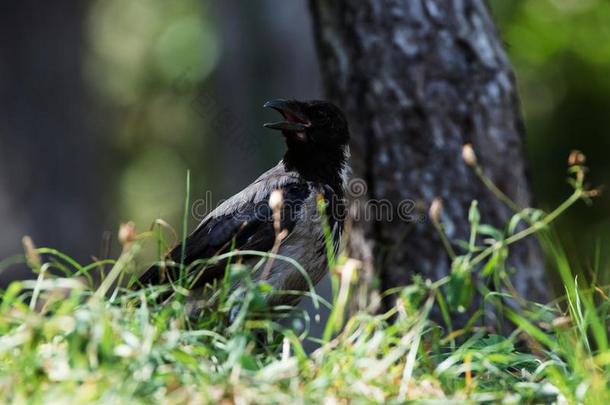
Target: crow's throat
[[323, 166]]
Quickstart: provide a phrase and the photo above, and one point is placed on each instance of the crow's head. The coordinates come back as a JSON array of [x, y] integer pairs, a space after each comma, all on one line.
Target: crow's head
[[310, 125], [317, 138]]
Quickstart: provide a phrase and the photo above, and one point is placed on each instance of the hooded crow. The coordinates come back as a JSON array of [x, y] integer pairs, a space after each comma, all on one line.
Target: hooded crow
[[314, 167]]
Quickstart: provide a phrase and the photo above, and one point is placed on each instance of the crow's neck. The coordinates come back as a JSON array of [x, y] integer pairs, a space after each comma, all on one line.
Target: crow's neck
[[324, 167]]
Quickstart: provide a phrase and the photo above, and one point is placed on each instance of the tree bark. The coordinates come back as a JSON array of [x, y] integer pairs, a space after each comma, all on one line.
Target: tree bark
[[418, 79]]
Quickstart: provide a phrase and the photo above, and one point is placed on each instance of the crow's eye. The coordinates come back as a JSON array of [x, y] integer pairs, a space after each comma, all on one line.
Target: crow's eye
[[319, 117]]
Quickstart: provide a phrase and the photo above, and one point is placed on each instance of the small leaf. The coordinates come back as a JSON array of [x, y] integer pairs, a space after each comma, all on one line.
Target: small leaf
[[514, 222], [459, 290], [248, 362], [491, 264], [491, 231]]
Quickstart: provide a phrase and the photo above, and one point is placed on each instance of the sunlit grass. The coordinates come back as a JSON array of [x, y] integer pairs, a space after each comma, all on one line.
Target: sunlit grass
[[75, 339]]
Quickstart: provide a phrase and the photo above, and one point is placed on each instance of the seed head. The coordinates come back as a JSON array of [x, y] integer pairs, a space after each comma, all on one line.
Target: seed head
[[470, 158], [436, 208], [276, 199], [562, 322], [31, 254], [576, 158], [127, 233]]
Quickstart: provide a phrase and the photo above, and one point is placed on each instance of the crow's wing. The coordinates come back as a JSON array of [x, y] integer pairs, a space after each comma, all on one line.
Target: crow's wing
[[245, 222]]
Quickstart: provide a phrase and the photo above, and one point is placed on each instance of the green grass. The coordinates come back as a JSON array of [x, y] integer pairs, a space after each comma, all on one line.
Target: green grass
[[72, 339]]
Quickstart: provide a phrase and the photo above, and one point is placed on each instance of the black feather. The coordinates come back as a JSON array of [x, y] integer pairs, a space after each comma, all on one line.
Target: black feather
[[249, 226]]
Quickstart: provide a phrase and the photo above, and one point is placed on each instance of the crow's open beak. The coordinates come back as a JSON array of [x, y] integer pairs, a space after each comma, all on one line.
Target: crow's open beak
[[293, 121]]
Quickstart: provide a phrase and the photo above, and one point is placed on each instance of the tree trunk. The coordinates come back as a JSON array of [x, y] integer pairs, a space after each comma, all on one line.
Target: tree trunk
[[418, 79]]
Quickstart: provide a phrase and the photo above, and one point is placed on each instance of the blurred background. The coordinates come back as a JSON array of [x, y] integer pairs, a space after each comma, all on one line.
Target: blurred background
[[105, 104]]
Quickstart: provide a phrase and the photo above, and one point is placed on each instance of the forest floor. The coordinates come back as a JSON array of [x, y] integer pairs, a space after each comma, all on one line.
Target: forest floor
[[72, 339]]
